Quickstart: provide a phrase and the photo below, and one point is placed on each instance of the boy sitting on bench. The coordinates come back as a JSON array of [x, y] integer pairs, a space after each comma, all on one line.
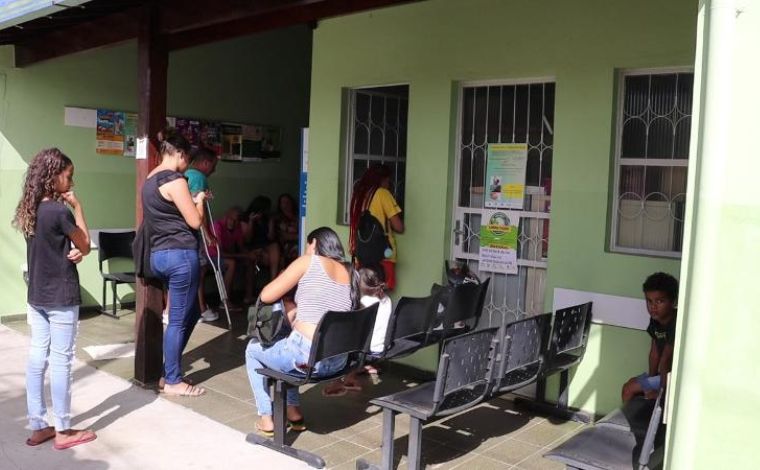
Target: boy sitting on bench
[[661, 294]]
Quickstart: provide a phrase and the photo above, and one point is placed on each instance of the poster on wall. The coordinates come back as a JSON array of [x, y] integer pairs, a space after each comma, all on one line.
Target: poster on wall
[[505, 175], [109, 132], [498, 241], [130, 134]]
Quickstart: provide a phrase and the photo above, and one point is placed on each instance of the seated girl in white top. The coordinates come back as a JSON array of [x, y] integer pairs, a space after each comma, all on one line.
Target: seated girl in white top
[[372, 289]]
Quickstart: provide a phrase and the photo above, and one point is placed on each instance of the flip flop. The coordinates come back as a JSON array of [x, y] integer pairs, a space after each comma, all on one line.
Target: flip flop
[[352, 388], [188, 391], [162, 382], [297, 426], [264, 432], [32, 443], [87, 436], [338, 393]]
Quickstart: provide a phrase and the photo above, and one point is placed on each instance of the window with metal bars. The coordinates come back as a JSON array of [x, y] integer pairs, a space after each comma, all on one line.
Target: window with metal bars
[[375, 132], [651, 161]]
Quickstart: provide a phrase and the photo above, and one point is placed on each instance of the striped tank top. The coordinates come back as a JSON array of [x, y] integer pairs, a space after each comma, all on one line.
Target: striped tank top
[[317, 293]]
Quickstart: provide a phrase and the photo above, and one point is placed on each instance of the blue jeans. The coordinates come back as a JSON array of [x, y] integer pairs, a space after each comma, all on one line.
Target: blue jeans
[[648, 382], [285, 356], [54, 330], [179, 270]]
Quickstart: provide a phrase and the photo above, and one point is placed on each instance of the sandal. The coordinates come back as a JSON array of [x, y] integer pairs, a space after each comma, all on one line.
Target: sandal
[[85, 436], [265, 432], [338, 392], [188, 391], [352, 387], [32, 442], [297, 425], [162, 382]]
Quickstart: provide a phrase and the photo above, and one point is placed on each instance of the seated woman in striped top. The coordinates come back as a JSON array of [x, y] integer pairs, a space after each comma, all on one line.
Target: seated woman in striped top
[[325, 282]]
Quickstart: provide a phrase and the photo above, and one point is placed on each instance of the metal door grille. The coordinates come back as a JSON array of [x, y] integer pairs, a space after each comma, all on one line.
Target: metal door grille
[[506, 113]]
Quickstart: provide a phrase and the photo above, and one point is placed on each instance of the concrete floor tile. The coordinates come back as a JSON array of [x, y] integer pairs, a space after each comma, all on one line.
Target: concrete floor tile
[[512, 451], [545, 433]]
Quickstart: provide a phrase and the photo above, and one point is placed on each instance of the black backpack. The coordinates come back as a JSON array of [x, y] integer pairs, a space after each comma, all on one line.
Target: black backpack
[[371, 240]]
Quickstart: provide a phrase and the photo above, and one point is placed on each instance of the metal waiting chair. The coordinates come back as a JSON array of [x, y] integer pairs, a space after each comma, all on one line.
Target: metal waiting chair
[[409, 325], [521, 353], [615, 446], [464, 373], [462, 311], [566, 349], [338, 333], [112, 245]]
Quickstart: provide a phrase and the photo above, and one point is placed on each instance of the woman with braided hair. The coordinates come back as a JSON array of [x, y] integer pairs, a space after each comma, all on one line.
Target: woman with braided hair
[[56, 240], [372, 193]]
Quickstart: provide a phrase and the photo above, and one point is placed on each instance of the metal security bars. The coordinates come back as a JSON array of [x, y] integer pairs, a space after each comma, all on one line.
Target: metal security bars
[[506, 113], [651, 161], [376, 126]]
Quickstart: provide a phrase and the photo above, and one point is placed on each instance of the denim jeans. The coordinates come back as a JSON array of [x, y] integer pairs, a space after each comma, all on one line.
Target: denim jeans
[[179, 270], [285, 356], [54, 330]]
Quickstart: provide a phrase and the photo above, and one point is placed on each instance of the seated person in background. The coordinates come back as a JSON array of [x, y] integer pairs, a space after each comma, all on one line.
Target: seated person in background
[[661, 293], [372, 289], [259, 235], [230, 241], [285, 227]]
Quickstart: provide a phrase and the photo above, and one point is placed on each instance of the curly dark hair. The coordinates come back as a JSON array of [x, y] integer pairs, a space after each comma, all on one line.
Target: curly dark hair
[[39, 183]]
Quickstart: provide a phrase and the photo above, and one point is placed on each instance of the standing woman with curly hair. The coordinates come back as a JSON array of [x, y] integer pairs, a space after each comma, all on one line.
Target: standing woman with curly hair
[[53, 297], [174, 218]]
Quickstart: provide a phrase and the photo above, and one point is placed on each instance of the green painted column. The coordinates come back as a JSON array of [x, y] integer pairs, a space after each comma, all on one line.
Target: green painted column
[[715, 392]]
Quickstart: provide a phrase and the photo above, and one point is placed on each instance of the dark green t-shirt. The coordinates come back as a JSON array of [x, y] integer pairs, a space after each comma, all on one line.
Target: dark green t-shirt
[[662, 334]]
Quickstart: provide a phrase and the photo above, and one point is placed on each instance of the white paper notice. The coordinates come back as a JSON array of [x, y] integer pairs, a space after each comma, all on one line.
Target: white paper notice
[[141, 150]]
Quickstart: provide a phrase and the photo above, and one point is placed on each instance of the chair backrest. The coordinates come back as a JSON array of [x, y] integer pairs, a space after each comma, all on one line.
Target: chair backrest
[[522, 347], [647, 447], [570, 333], [412, 318], [340, 333], [465, 304], [465, 370], [114, 245]]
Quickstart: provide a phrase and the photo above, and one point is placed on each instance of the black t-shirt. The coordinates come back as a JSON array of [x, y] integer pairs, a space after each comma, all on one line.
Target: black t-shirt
[[53, 279], [662, 334], [167, 226]]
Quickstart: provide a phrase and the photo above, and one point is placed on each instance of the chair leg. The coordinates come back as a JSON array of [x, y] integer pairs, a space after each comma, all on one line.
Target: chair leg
[[278, 443], [113, 289], [105, 307], [415, 443], [562, 399], [389, 425]]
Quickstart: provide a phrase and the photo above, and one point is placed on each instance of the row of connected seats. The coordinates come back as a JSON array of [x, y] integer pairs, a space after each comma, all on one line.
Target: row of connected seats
[[420, 322], [484, 363]]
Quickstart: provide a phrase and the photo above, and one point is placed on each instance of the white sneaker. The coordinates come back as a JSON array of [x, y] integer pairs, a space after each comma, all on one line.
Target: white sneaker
[[209, 315]]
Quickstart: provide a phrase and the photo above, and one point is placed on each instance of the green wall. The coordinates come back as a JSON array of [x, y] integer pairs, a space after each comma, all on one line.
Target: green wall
[[435, 44], [257, 79]]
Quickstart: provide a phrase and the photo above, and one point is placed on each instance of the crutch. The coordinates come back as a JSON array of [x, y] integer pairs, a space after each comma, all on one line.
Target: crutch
[[216, 267]]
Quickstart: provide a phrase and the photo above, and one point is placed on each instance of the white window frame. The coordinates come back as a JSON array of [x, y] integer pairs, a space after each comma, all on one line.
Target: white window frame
[[663, 162], [349, 156]]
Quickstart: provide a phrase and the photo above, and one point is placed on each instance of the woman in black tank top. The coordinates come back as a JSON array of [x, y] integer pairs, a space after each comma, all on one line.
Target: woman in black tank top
[[174, 218]]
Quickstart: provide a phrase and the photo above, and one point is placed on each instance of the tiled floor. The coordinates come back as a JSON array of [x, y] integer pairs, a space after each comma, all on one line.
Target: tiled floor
[[492, 435]]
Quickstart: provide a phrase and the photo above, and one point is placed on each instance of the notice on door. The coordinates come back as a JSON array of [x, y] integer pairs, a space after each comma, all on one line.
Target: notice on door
[[505, 175], [498, 241]]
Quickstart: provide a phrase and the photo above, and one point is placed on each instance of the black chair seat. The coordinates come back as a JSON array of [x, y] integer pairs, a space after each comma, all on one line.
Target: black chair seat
[[417, 401], [516, 378], [403, 347], [122, 278], [598, 448], [634, 416], [561, 362]]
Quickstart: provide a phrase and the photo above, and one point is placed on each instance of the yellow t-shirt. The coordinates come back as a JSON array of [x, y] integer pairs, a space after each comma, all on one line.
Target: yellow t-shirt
[[384, 206]]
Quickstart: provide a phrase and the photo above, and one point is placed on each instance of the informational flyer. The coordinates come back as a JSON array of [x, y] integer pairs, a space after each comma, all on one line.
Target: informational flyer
[[505, 175], [110, 132], [498, 241], [130, 134]]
